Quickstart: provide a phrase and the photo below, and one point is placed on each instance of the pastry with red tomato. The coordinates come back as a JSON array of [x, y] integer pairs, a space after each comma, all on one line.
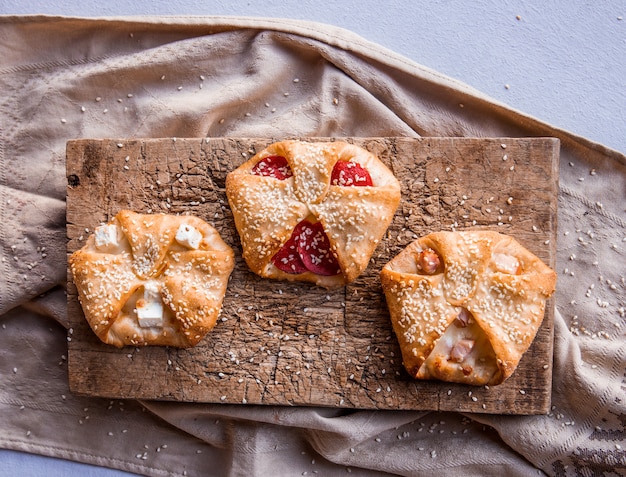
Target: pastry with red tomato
[[465, 306], [312, 211]]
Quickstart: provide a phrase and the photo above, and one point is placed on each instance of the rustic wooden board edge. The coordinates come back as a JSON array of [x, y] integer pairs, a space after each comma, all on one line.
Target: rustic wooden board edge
[[542, 407]]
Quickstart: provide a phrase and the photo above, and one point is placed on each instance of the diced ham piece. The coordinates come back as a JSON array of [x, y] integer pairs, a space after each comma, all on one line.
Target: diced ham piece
[[428, 262], [273, 166], [461, 349], [308, 249], [462, 319], [350, 174]]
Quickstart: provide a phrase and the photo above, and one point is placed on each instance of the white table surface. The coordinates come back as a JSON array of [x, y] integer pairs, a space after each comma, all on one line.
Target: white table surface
[[563, 62]]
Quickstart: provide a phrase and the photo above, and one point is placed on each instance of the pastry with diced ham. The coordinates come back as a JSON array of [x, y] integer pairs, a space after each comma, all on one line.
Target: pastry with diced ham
[[465, 306], [312, 211], [153, 279]]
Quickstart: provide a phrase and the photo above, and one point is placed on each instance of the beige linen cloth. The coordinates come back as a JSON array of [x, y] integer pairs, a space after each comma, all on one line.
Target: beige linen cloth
[[63, 78]]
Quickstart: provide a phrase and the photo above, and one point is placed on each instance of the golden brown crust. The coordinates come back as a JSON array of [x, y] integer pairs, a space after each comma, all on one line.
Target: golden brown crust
[[491, 279], [267, 210], [191, 280]]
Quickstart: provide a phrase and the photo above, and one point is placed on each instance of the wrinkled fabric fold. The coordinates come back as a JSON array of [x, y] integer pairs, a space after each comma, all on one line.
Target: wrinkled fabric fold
[[66, 78]]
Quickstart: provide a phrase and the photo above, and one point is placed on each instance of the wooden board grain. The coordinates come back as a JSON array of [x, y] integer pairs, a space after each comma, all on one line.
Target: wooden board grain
[[293, 343]]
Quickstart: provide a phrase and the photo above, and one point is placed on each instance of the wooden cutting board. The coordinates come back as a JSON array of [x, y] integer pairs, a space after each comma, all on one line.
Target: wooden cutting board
[[296, 344]]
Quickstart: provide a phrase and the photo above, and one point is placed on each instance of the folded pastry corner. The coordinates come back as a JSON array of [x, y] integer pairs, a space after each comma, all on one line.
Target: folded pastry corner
[[152, 279], [312, 211], [465, 306]]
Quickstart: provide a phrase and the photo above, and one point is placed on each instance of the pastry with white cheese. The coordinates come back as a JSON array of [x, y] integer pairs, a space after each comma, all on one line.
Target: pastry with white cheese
[[312, 211], [153, 279], [465, 306]]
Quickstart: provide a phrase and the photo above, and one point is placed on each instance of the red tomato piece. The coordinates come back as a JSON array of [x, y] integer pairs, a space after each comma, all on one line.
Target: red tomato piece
[[273, 166], [350, 174], [314, 249], [288, 258], [307, 250]]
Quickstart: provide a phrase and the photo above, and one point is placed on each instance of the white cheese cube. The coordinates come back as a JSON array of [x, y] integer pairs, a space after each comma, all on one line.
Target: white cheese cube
[[150, 308], [107, 237], [188, 236], [506, 263]]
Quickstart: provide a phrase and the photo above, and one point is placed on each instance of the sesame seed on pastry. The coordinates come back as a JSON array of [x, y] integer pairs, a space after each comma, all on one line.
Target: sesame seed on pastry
[[465, 306], [153, 279], [312, 211]]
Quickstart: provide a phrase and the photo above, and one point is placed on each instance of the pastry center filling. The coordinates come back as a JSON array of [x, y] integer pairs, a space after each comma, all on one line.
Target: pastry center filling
[[188, 236], [506, 263], [149, 307], [307, 250], [350, 174], [108, 238], [464, 351], [273, 166], [146, 308], [428, 262]]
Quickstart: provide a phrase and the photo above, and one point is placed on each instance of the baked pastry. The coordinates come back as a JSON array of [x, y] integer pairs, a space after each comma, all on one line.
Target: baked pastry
[[312, 211], [152, 279], [465, 306]]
